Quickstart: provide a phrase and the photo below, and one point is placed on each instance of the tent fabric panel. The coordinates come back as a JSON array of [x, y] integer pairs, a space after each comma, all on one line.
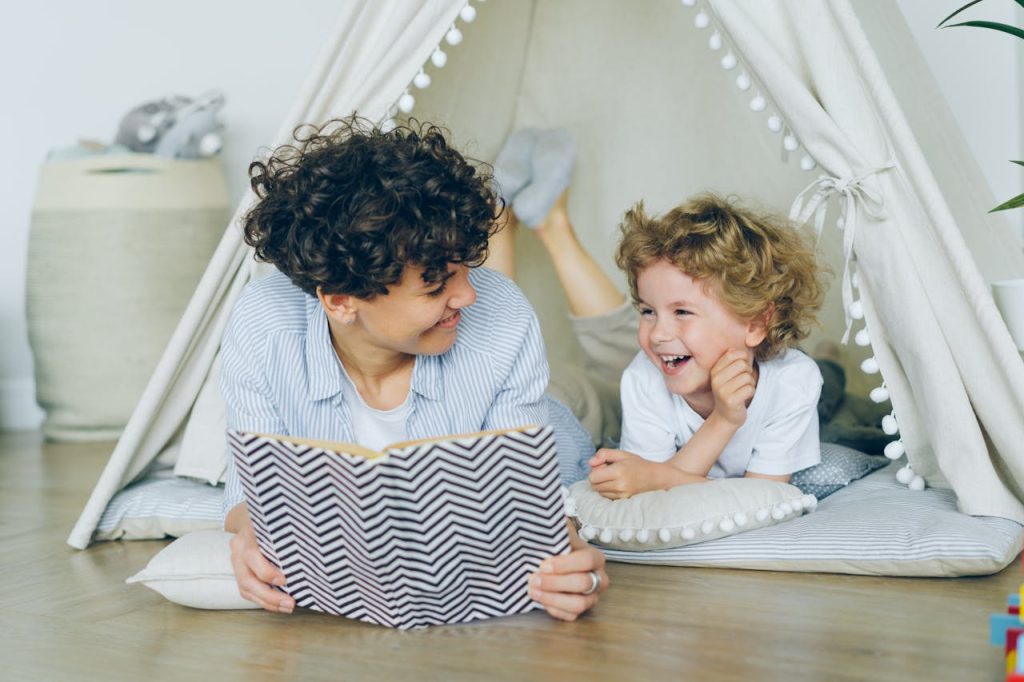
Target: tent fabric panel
[[377, 48]]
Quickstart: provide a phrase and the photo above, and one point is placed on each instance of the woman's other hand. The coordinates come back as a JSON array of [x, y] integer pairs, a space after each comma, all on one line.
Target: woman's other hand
[[561, 584], [253, 573]]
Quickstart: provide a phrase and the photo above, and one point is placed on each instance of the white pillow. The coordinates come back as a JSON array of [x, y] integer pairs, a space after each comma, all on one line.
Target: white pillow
[[684, 515], [195, 570]]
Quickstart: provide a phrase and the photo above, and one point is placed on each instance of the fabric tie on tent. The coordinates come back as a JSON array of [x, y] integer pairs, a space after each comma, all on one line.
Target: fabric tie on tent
[[813, 201]]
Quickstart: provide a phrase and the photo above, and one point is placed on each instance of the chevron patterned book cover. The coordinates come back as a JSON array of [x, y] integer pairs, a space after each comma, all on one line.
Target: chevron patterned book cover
[[423, 533]]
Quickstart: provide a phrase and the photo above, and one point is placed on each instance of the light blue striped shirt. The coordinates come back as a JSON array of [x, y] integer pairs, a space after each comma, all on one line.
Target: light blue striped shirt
[[279, 373]]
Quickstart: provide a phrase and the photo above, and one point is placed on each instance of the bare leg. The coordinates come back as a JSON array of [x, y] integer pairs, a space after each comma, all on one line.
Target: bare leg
[[501, 250], [587, 287]]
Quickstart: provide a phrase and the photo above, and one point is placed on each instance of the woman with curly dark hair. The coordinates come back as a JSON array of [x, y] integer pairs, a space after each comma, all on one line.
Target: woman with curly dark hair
[[378, 326]]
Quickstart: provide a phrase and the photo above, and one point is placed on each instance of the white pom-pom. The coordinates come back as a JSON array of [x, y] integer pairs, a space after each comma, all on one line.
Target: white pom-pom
[[761, 515], [715, 41], [570, 506], [727, 526], [759, 103], [916, 483], [588, 533], [778, 514], [869, 366], [810, 502], [689, 3], [889, 425], [387, 125], [786, 507], [797, 504], [467, 14], [606, 536], [790, 144], [774, 123], [453, 36], [707, 527], [894, 449], [406, 103], [743, 82], [439, 59], [687, 533], [422, 80], [702, 20], [879, 394], [664, 535], [862, 338], [905, 475], [856, 310], [643, 536], [807, 163], [625, 534], [741, 519], [729, 61]]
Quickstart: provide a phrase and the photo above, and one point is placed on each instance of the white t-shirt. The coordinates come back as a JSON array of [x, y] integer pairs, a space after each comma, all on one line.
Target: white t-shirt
[[779, 437], [375, 428]]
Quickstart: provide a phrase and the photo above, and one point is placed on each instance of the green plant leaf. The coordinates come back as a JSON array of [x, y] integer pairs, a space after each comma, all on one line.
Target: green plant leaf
[[970, 4], [1015, 202], [1020, 2], [1019, 163], [995, 26]]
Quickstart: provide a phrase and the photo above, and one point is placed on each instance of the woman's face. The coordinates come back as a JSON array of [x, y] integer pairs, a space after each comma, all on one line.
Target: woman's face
[[416, 317]]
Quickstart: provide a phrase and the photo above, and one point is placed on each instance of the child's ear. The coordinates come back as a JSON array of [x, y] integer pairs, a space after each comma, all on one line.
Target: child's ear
[[339, 307], [757, 328]]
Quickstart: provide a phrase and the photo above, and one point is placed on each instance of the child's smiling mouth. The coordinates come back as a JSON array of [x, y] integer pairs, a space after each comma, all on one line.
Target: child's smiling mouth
[[673, 364]]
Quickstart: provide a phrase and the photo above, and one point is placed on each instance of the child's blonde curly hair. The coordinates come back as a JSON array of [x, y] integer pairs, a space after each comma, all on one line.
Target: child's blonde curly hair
[[756, 264]]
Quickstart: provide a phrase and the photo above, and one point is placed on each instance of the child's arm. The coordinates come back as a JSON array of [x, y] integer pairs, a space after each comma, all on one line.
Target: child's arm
[[618, 474], [732, 384]]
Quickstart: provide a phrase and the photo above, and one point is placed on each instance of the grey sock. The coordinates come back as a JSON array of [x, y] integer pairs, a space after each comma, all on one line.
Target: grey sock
[[552, 161], [512, 167]]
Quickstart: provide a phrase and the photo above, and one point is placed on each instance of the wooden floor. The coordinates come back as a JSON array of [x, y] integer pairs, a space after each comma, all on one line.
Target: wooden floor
[[67, 615]]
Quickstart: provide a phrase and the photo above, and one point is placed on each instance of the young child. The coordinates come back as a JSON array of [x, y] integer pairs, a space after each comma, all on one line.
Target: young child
[[718, 389]]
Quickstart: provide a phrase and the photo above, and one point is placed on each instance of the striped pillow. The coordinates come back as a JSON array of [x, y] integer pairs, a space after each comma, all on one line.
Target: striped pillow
[[875, 526]]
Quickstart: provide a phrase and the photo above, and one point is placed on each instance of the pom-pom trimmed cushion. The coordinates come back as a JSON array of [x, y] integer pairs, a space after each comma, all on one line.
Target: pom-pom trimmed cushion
[[839, 467], [684, 515], [874, 526], [195, 570]]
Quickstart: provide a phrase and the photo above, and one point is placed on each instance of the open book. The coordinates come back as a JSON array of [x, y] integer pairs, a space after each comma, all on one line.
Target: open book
[[423, 533]]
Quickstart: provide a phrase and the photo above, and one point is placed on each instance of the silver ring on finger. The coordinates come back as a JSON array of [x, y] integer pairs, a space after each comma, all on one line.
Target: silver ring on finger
[[595, 582]]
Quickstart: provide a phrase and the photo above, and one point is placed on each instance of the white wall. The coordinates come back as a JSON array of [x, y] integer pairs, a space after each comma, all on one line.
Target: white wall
[[980, 73], [71, 69]]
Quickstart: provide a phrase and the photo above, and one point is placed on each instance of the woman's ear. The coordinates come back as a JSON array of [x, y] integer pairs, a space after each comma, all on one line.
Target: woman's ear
[[339, 307], [757, 327]]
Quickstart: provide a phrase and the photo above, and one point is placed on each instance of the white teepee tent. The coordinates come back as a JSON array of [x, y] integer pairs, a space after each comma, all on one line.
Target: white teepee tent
[[631, 81]]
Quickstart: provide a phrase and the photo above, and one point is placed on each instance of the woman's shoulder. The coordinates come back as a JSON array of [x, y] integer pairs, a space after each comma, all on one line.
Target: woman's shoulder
[[268, 305], [500, 304]]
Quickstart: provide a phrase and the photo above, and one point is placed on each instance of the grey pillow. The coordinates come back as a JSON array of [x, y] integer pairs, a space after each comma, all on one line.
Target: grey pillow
[[839, 466]]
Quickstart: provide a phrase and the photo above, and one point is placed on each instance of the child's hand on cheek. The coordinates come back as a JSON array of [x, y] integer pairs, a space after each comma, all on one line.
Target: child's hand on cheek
[[733, 384], [621, 474]]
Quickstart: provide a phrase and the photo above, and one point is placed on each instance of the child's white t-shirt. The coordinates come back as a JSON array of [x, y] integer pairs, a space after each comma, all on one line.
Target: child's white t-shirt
[[779, 436]]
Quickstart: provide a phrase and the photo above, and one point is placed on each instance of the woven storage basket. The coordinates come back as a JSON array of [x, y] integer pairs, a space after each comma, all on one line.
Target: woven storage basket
[[117, 246]]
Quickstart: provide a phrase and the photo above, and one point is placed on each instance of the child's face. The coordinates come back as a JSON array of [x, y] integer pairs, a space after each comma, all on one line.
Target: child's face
[[685, 329]]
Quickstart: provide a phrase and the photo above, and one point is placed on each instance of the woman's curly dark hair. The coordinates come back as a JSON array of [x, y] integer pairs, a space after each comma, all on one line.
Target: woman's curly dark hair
[[349, 205]]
